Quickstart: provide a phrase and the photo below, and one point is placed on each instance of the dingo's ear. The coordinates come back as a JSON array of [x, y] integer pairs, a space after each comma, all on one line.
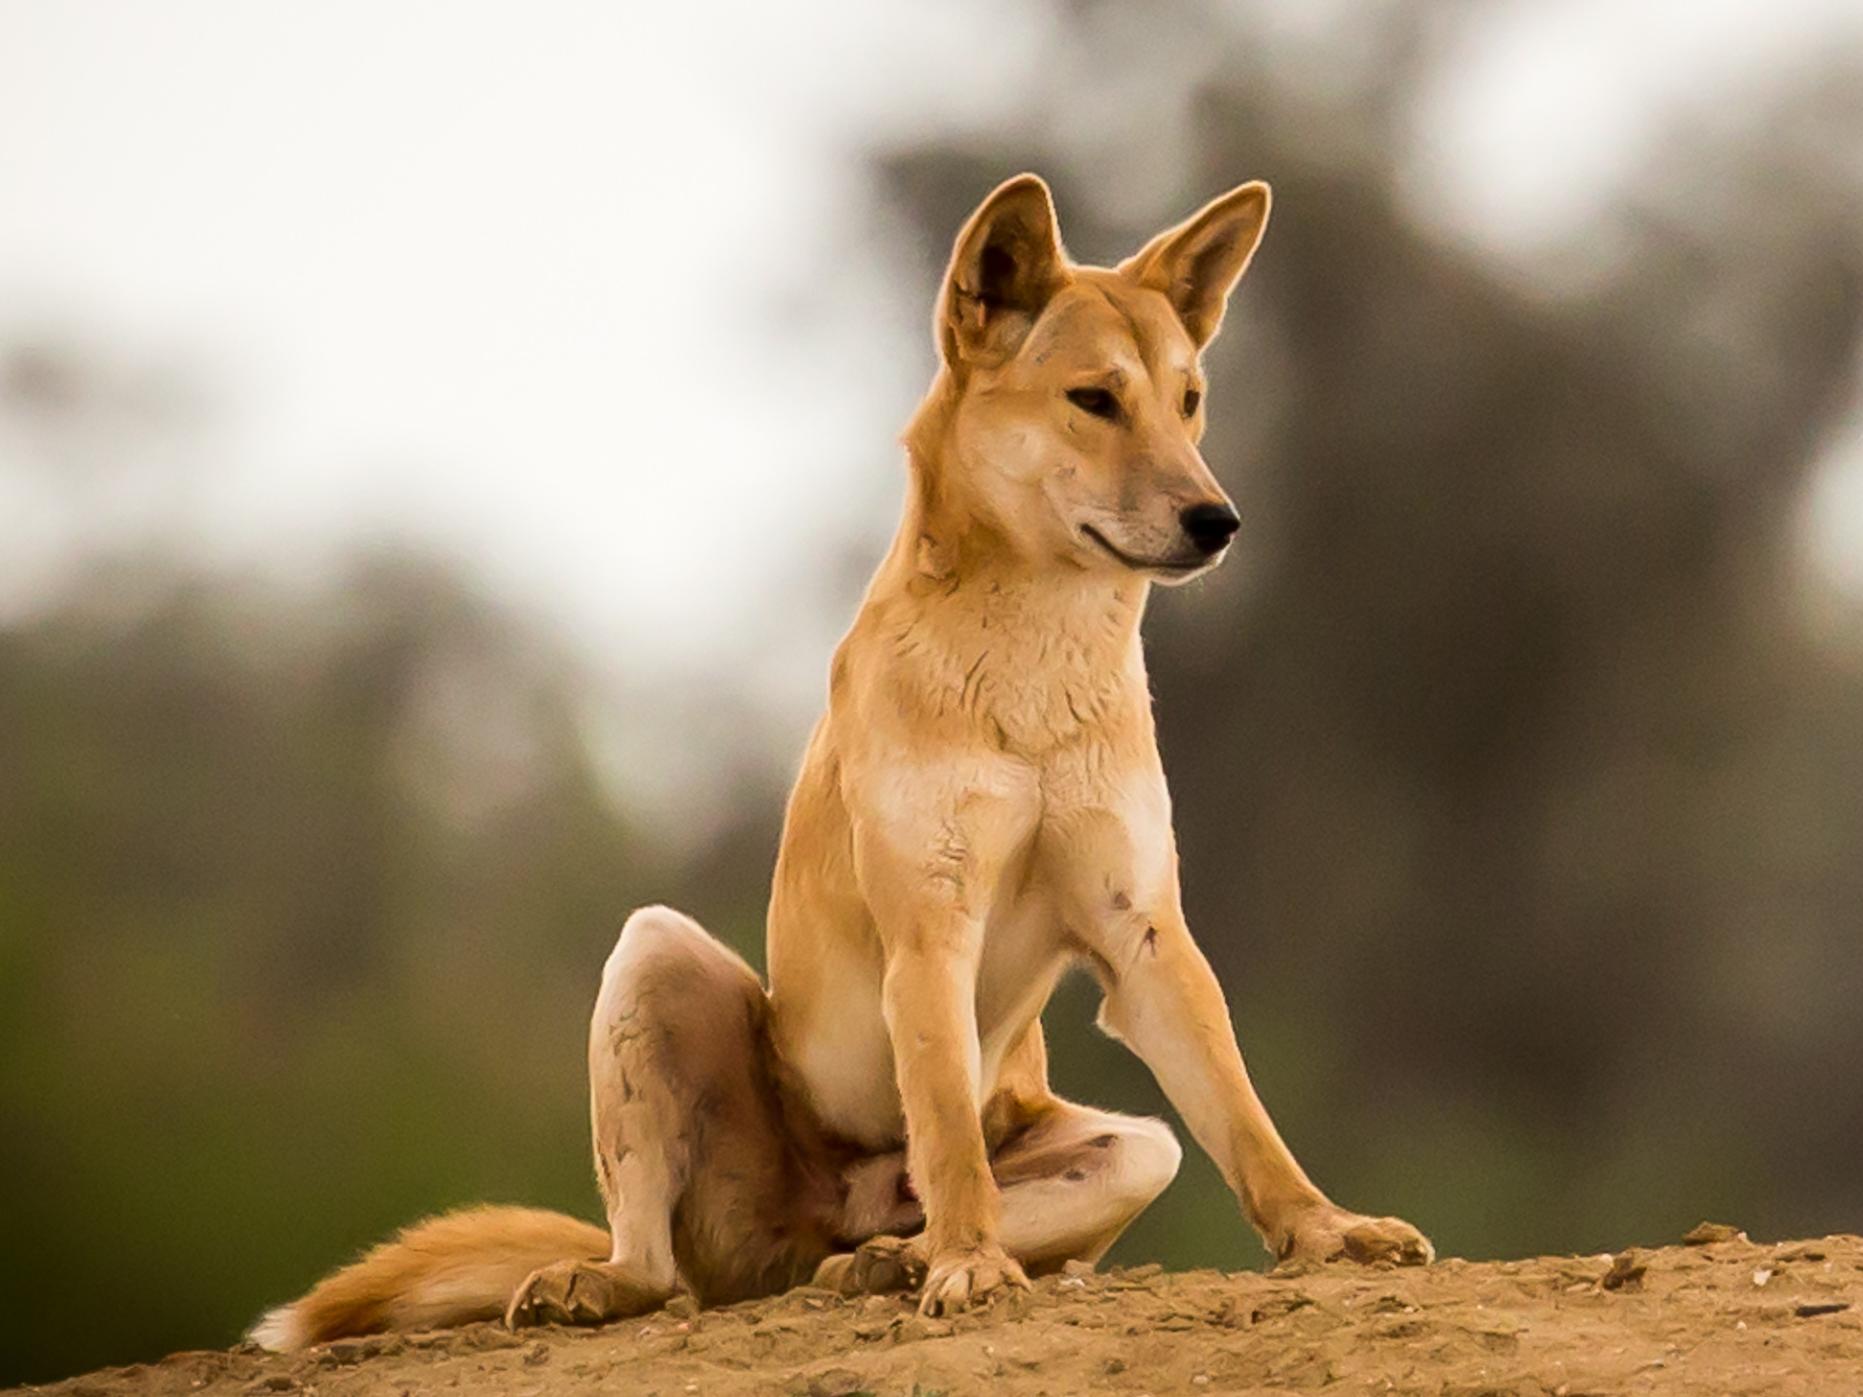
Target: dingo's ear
[[1007, 263], [1198, 263]]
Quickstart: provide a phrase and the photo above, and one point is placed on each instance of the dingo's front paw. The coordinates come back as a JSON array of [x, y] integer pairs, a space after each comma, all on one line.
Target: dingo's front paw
[[580, 1292], [1326, 1233], [958, 1280]]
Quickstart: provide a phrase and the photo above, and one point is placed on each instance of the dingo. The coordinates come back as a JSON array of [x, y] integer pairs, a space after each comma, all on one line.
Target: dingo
[[981, 807]]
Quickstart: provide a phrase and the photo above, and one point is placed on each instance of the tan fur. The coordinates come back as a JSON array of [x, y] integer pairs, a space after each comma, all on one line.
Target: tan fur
[[981, 807]]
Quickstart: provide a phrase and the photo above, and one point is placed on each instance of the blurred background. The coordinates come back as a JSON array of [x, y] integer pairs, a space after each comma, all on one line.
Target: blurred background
[[441, 444]]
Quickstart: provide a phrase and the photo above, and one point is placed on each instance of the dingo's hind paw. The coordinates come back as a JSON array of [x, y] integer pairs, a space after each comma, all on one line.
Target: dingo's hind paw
[[878, 1266], [580, 1292]]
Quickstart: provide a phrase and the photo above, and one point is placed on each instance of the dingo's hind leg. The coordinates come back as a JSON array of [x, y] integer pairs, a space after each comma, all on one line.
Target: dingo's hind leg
[[1071, 1180], [692, 1154], [1076, 1178]]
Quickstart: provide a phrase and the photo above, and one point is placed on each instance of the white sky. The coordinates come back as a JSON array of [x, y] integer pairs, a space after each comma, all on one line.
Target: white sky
[[1554, 105], [572, 290]]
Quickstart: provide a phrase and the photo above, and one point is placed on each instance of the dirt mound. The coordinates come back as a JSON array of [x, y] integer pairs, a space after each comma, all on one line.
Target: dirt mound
[[1722, 1317]]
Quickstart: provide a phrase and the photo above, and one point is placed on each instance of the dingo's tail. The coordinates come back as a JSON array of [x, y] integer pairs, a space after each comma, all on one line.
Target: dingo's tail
[[447, 1270]]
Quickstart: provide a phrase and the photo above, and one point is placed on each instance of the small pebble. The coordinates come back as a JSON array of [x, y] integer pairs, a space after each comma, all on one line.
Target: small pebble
[[1626, 1272], [1703, 1233], [1812, 1309]]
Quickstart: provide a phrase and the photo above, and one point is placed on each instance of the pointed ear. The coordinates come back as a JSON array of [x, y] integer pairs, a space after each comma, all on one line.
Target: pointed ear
[[1007, 263], [1198, 263]]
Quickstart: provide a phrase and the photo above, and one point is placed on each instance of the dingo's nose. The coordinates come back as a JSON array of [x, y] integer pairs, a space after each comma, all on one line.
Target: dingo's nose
[[1210, 526]]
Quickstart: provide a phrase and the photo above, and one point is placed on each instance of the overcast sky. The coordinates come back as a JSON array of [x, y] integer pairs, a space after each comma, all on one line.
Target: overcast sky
[[573, 290]]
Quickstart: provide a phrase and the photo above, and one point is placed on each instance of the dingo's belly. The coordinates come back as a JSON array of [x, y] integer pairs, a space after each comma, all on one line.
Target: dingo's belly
[[832, 1035]]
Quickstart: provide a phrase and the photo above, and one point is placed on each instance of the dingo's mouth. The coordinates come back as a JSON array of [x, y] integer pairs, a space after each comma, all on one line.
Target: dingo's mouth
[[1142, 564]]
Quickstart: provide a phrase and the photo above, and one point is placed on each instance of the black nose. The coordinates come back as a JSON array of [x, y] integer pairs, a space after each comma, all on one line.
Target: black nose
[[1210, 526]]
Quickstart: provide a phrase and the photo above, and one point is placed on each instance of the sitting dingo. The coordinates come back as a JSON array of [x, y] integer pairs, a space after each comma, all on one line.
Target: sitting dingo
[[981, 807]]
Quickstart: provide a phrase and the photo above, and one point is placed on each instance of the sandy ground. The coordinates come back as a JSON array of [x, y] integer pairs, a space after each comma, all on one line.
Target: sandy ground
[[1723, 1317]]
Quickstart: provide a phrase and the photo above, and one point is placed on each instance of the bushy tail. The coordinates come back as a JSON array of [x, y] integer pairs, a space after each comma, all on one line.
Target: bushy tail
[[442, 1271]]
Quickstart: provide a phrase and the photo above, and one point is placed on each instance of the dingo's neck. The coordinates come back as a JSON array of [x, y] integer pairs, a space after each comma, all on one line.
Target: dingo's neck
[[1034, 653], [953, 558]]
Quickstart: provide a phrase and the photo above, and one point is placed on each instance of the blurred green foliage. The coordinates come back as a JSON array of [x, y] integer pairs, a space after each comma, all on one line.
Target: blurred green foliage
[[300, 901]]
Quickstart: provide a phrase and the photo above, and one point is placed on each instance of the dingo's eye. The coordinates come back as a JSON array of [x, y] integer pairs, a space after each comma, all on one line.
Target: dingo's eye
[[1097, 401], [1192, 401]]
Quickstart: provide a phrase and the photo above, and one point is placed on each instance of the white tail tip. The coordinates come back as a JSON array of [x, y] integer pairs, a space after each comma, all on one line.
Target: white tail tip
[[278, 1330]]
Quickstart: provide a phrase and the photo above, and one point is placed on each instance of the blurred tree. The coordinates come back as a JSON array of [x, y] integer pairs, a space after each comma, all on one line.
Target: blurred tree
[[302, 901]]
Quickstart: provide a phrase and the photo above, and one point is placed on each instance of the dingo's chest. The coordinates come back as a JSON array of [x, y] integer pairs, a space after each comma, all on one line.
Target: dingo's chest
[[1094, 857]]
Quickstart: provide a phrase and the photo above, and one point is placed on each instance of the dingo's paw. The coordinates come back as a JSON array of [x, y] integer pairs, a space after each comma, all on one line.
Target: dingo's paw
[[958, 1280], [1326, 1233], [580, 1292], [878, 1266]]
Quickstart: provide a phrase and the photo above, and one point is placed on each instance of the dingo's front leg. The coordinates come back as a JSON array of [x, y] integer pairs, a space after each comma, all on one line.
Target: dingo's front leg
[[928, 874], [1164, 1002], [930, 1005]]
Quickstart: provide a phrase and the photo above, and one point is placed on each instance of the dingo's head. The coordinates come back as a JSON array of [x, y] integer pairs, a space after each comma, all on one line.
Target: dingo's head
[[1072, 404]]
